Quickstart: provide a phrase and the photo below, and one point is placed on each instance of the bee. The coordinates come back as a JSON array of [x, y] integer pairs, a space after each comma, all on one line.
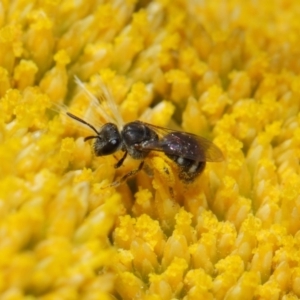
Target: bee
[[137, 139]]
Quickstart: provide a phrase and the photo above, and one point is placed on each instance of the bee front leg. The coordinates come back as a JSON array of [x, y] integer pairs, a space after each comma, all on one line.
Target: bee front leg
[[120, 162]]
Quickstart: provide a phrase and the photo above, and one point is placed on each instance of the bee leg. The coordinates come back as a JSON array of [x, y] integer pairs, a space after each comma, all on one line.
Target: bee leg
[[120, 162], [126, 176], [171, 191]]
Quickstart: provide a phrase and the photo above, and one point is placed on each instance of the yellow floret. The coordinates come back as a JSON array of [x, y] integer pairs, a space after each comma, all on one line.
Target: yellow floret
[[72, 227], [24, 73]]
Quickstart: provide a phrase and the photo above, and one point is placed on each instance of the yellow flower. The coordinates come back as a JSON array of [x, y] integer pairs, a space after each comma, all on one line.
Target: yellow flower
[[225, 70]]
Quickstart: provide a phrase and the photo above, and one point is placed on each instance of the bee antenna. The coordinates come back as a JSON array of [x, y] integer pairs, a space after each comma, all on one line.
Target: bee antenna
[[90, 137], [82, 121]]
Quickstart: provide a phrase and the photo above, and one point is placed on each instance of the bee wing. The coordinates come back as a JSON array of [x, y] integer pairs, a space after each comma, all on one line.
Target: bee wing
[[209, 151]]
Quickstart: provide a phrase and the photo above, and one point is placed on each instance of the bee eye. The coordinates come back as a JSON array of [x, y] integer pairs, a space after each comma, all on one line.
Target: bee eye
[[108, 140]]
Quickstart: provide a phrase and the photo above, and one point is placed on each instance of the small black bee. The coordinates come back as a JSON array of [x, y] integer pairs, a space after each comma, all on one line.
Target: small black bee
[[190, 152]]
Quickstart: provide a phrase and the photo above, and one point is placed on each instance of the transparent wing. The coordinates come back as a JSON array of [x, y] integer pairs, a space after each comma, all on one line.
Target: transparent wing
[[189, 143]]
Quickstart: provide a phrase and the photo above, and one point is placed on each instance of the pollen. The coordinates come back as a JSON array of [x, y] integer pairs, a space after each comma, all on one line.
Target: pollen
[[74, 226]]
